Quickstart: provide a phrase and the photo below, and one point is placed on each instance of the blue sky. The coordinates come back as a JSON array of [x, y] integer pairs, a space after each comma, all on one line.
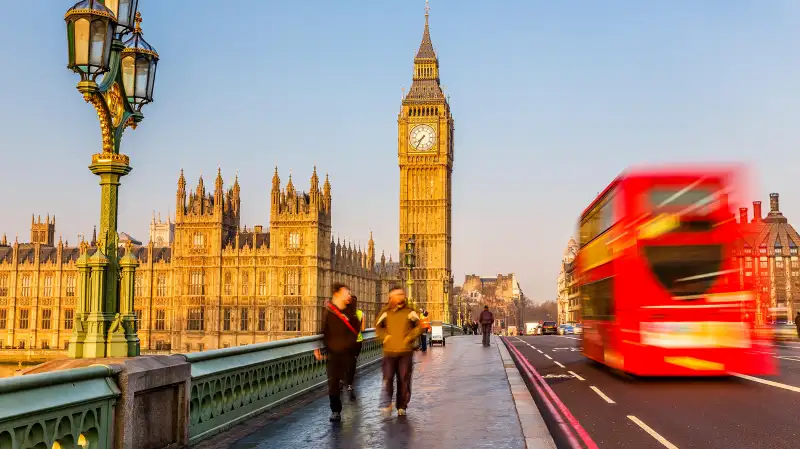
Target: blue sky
[[551, 101]]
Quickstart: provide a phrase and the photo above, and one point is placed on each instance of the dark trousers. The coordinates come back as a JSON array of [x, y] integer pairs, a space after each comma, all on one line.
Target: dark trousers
[[351, 368], [424, 342], [398, 367], [337, 371], [486, 329]]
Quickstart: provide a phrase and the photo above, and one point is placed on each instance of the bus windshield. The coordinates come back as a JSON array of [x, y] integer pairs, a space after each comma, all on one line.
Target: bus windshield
[[681, 198]]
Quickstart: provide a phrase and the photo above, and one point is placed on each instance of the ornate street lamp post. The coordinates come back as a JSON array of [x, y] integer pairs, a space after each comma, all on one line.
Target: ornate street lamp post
[[410, 262], [117, 78]]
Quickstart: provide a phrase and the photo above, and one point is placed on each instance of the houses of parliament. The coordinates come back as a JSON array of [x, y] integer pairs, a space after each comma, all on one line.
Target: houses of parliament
[[203, 281], [206, 282]]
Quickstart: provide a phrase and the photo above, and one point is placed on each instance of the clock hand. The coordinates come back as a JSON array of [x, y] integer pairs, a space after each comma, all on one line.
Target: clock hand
[[420, 140]]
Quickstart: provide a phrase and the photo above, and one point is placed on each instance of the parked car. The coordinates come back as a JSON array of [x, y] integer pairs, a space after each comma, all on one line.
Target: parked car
[[784, 331], [565, 329], [549, 328], [578, 328]]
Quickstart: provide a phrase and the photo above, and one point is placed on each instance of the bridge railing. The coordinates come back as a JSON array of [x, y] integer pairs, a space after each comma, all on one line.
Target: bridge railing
[[232, 384], [95, 406], [69, 408]]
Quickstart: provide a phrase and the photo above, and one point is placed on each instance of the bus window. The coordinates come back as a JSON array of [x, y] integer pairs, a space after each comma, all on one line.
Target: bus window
[[598, 299], [675, 197]]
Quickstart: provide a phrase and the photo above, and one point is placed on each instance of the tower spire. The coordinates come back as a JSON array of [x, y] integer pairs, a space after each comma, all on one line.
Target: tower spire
[[426, 46]]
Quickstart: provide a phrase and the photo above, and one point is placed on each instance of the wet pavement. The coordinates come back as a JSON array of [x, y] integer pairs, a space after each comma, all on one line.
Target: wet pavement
[[460, 398]]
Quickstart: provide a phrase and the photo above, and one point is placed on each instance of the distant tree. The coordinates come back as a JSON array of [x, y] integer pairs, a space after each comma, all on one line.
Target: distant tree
[[541, 311]]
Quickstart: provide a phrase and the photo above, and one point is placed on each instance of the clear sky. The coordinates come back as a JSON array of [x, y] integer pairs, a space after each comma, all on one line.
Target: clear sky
[[551, 101]]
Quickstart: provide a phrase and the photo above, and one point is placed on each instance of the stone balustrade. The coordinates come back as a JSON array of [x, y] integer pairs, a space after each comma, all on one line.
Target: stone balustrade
[[162, 401]]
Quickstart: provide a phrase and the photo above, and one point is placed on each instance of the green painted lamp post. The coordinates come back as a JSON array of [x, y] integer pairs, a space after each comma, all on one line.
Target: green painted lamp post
[[117, 78], [411, 261]]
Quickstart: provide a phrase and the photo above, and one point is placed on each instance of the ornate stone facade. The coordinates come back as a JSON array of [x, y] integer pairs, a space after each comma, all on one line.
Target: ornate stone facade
[[216, 285], [425, 155], [565, 284], [162, 233], [501, 293], [768, 260]]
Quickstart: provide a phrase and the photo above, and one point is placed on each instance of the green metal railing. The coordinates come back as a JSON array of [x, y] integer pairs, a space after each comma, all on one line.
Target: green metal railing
[[75, 408], [233, 384], [72, 408]]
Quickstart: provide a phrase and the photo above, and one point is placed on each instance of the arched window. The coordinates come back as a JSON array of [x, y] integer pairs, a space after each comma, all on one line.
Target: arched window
[[196, 283], [48, 286], [292, 283], [26, 285], [228, 283], [294, 240], [245, 284], [262, 283], [162, 285], [138, 287], [198, 239]]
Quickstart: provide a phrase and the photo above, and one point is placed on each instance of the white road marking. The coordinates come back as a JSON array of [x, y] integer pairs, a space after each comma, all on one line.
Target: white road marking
[[652, 432], [571, 338], [548, 357], [793, 358], [559, 364], [576, 376], [540, 351], [768, 382], [602, 395]]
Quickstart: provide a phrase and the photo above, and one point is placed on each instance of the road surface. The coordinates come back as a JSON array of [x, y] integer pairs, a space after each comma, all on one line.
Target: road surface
[[624, 413]]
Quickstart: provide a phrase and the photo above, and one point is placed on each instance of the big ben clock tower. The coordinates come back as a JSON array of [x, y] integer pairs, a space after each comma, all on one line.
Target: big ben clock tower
[[425, 155]]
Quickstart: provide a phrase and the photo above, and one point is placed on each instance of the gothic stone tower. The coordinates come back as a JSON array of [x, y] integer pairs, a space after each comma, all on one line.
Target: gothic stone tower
[[300, 235], [204, 224], [425, 155], [43, 232]]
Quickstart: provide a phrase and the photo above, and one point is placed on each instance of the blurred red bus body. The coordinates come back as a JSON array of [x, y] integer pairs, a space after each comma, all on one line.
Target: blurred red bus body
[[661, 293]]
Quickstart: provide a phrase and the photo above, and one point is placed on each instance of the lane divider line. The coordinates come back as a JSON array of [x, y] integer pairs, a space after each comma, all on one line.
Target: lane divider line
[[553, 401], [540, 351], [548, 357], [652, 432], [768, 382], [602, 395], [559, 364], [576, 375]]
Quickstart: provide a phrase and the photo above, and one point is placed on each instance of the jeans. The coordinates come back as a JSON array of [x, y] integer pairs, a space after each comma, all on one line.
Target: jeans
[[337, 372], [486, 329], [398, 367], [424, 342]]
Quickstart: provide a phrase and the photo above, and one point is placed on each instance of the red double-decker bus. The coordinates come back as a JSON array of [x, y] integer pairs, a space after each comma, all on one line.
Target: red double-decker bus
[[661, 294]]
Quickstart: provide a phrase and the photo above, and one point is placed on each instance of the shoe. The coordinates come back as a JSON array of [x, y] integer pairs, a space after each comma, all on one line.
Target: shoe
[[401, 412], [336, 417], [351, 392], [386, 412]]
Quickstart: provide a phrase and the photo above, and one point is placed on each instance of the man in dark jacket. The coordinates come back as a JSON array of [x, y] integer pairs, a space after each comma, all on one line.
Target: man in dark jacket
[[486, 319], [797, 323], [339, 335], [398, 328]]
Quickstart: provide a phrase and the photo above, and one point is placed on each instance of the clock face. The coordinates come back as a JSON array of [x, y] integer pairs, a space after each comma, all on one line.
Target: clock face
[[422, 137]]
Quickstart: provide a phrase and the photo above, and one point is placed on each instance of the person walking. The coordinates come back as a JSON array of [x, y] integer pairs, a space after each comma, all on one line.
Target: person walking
[[486, 319], [398, 328], [339, 337], [797, 323], [351, 371], [425, 324]]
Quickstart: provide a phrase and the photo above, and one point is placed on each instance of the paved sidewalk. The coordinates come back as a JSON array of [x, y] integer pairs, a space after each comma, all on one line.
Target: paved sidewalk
[[461, 398]]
